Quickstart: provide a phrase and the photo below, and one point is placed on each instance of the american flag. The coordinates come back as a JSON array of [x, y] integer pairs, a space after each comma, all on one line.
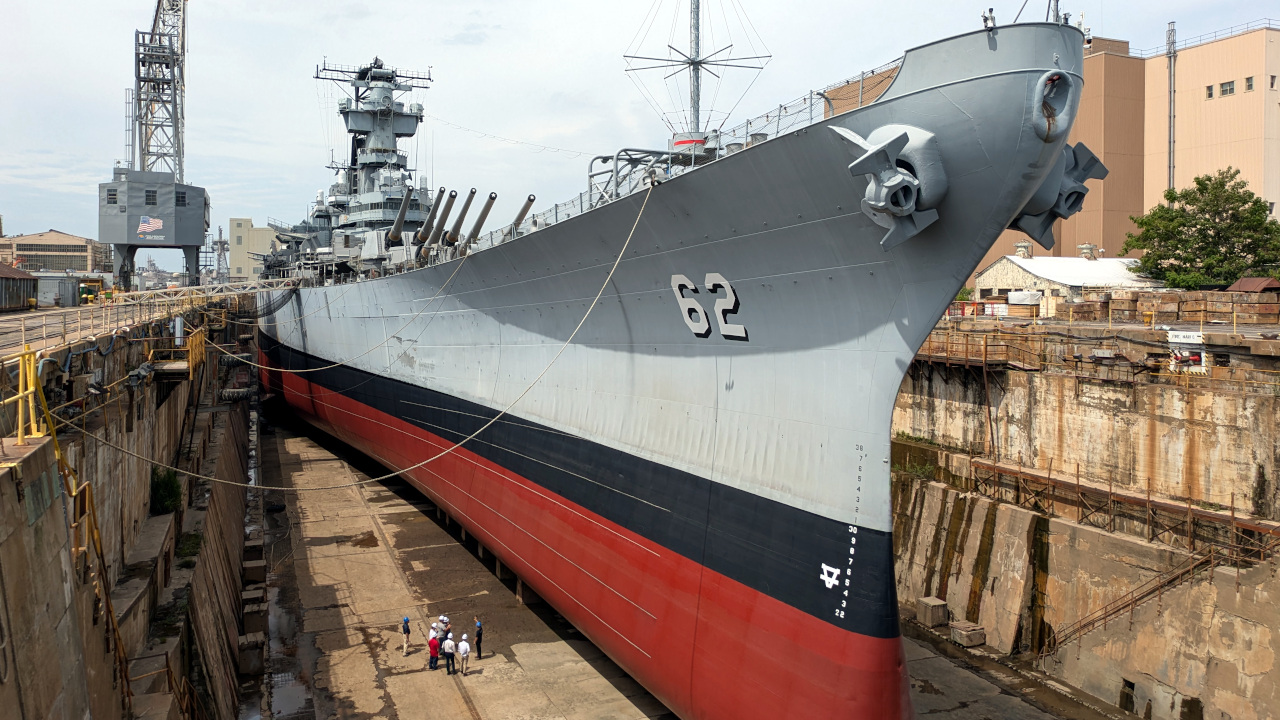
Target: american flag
[[150, 224]]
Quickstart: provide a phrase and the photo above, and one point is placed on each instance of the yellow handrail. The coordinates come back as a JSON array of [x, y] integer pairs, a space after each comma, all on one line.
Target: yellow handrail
[[28, 385]]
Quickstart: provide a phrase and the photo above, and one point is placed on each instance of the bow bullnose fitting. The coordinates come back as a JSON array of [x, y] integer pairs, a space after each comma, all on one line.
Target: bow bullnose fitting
[[1053, 107], [905, 178]]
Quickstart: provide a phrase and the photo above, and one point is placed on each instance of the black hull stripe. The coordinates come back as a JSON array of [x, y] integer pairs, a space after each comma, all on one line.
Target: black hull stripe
[[771, 547]]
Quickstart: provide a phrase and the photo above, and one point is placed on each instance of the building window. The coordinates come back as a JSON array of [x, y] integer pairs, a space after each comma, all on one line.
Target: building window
[[239, 239], [239, 270], [112, 196], [1271, 208], [180, 198], [1208, 92], [1273, 82], [257, 271], [151, 197], [1248, 83], [239, 224], [1227, 88]]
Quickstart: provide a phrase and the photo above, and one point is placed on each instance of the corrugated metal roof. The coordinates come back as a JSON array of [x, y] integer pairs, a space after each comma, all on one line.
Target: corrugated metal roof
[[1080, 272], [1254, 284], [13, 272]]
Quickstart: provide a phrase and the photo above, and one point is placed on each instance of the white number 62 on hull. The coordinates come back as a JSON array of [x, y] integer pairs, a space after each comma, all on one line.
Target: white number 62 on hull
[[694, 314]]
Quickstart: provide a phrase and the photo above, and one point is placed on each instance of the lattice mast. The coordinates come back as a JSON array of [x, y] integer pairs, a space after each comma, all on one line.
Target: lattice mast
[[695, 65], [695, 62], [160, 58]]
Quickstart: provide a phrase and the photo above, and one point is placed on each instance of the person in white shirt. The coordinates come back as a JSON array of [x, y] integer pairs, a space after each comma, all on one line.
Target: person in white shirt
[[464, 649], [447, 650]]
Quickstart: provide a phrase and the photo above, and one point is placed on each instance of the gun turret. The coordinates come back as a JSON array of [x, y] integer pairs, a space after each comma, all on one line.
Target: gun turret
[[444, 218], [393, 237], [484, 215], [424, 232], [454, 234]]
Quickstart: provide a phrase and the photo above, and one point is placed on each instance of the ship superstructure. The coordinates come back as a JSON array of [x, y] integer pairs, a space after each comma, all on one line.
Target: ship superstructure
[[666, 404], [363, 219]]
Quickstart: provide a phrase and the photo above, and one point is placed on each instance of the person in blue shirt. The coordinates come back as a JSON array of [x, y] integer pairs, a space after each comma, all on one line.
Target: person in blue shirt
[[404, 630], [479, 634]]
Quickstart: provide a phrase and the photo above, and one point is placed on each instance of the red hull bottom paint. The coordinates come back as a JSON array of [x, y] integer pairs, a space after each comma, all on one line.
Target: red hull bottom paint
[[705, 645]]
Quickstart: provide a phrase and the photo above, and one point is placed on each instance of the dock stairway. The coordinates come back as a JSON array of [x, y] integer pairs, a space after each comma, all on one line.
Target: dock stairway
[[1201, 563]]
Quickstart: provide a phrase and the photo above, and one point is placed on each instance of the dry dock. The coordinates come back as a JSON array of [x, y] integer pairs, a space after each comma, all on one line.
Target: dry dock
[[346, 565]]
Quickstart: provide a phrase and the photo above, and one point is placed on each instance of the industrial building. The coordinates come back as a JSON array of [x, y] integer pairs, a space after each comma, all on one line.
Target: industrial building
[[1064, 277], [246, 246], [55, 251]]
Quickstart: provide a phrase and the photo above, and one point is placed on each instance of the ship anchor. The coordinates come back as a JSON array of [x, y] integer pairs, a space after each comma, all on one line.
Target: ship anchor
[[905, 179]]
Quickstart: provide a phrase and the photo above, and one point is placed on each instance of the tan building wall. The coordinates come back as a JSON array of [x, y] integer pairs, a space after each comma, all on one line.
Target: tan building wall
[[1110, 123], [1241, 129], [1124, 116], [244, 240], [55, 251]]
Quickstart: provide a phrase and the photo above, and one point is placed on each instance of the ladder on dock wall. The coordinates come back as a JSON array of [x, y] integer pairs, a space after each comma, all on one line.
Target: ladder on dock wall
[[86, 537], [1186, 571]]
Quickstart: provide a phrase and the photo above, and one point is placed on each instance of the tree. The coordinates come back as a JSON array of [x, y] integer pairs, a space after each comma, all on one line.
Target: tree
[[1212, 233]]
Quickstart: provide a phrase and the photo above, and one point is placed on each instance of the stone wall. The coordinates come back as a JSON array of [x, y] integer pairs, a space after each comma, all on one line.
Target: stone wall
[[1206, 644], [1189, 442], [216, 607], [58, 661], [122, 482], [1203, 648], [968, 550]]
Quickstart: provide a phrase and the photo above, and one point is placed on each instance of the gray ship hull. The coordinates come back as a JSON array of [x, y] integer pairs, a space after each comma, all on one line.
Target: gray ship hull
[[700, 481]]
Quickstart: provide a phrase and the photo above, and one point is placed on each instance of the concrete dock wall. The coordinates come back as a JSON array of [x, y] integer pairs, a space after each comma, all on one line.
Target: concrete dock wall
[[968, 550], [216, 606], [1197, 443], [122, 482], [1201, 649]]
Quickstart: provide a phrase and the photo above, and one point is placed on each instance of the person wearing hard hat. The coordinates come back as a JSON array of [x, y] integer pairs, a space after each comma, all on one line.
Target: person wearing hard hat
[[404, 630], [433, 646], [464, 649], [447, 650]]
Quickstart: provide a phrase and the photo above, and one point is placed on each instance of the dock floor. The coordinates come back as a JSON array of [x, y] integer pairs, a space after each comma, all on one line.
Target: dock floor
[[346, 565]]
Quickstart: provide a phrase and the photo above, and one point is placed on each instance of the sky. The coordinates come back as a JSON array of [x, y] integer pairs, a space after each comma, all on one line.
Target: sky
[[549, 75]]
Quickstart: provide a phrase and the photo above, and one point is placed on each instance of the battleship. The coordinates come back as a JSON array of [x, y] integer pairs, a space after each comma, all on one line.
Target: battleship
[[666, 405]]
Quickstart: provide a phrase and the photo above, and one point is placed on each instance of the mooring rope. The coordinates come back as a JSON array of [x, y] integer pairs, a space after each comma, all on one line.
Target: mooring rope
[[408, 322], [590, 308]]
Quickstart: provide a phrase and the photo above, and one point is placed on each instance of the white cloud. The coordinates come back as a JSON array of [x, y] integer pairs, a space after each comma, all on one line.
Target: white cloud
[[259, 127]]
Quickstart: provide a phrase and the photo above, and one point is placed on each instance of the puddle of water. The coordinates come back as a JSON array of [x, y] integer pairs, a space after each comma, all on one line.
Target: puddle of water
[[288, 695], [251, 708], [281, 624]]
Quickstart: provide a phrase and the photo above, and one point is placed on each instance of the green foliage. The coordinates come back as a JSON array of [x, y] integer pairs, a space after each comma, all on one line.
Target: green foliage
[[1212, 233], [188, 545], [966, 293], [906, 437], [166, 491]]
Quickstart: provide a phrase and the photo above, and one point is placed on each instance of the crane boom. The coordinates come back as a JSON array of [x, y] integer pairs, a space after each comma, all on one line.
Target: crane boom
[[160, 59]]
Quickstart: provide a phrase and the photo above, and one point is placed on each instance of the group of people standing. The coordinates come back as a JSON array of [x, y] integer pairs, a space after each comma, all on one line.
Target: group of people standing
[[440, 643]]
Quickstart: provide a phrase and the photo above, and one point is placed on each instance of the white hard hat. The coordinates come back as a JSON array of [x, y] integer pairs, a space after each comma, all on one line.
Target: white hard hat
[[464, 636]]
